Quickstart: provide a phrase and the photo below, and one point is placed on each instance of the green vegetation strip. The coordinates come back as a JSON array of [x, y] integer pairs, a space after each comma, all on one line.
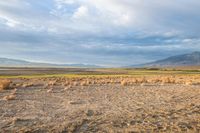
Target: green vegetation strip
[[124, 73]]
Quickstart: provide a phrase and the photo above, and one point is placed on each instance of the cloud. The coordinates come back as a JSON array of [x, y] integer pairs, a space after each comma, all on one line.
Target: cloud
[[105, 32], [82, 11]]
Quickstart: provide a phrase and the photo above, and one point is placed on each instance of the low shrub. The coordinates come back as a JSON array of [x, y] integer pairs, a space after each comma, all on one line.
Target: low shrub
[[4, 84]]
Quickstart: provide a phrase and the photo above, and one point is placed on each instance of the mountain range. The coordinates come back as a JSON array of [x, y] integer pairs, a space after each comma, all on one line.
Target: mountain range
[[5, 62], [189, 59]]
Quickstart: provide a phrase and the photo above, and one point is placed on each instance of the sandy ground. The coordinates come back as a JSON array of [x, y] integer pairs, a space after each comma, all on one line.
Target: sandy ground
[[101, 108]]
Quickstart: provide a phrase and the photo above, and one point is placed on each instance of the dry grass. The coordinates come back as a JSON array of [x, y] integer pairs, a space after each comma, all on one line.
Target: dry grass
[[189, 82], [67, 87], [66, 82], [10, 97], [124, 83], [25, 85], [51, 83], [14, 91], [124, 80], [4, 84], [50, 90], [83, 83]]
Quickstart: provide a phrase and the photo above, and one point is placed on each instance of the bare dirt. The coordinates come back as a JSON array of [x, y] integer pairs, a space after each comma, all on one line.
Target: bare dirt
[[18, 71], [41, 106]]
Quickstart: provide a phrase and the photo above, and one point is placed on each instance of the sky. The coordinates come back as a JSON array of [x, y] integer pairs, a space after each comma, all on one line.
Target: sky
[[101, 32]]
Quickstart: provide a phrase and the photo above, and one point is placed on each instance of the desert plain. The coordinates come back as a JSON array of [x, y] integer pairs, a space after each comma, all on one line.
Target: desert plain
[[99, 100]]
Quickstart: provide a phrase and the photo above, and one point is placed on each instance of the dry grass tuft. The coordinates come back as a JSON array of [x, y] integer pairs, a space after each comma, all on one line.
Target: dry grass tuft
[[66, 83], [27, 85], [4, 84], [52, 83], [50, 90], [10, 97], [75, 83], [188, 82], [67, 87], [84, 83], [142, 84], [124, 83], [14, 91]]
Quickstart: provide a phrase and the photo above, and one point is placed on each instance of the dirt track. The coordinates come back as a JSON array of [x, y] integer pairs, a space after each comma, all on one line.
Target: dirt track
[[101, 108]]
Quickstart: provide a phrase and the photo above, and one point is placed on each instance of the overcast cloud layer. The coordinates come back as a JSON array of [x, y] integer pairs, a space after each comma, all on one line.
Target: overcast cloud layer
[[102, 32]]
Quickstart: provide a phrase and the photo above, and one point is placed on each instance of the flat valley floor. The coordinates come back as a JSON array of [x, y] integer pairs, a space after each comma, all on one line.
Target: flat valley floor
[[42, 106]]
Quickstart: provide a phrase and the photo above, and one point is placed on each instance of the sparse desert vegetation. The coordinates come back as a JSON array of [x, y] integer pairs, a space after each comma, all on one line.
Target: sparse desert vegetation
[[4, 84], [125, 102]]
